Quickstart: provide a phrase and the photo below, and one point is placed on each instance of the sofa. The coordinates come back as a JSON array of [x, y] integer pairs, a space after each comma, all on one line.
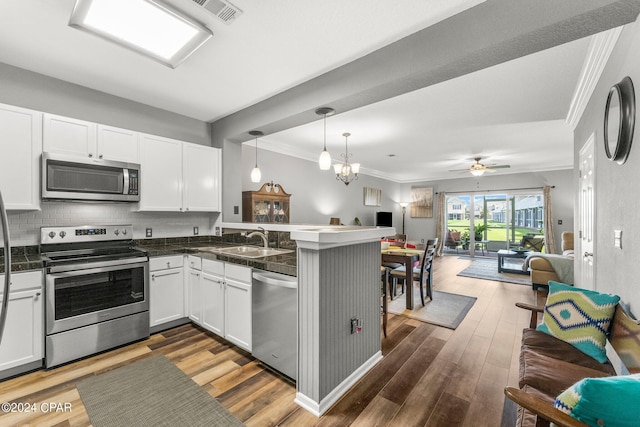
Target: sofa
[[549, 366], [540, 266]]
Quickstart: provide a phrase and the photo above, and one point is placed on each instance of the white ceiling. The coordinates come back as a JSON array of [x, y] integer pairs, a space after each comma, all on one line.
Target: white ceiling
[[511, 113]]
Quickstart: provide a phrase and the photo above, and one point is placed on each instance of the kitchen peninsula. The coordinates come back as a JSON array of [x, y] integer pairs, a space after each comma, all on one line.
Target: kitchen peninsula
[[338, 307]]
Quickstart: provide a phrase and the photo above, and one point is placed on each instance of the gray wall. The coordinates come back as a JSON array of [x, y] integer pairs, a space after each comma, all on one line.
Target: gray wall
[[319, 196], [42, 93], [617, 204]]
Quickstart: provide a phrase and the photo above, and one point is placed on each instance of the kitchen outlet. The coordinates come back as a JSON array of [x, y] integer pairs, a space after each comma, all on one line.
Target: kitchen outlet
[[196, 230], [559, 222], [236, 210], [356, 325], [148, 232], [217, 231]]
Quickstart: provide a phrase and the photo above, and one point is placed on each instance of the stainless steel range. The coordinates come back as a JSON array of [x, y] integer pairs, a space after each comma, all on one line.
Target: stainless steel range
[[97, 290]]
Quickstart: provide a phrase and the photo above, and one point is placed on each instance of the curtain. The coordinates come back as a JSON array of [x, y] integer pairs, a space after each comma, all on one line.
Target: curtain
[[549, 240], [441, 223]]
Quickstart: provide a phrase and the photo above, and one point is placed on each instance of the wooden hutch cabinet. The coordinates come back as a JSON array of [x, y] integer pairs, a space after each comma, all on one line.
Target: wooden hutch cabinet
[[270, 204]]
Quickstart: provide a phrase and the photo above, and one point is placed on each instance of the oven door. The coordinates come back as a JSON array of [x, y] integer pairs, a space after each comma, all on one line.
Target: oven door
[[78, 298]]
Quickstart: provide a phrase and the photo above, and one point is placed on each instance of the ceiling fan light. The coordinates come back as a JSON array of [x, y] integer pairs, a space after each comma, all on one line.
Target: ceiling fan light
[[477, 172], [325, 161]]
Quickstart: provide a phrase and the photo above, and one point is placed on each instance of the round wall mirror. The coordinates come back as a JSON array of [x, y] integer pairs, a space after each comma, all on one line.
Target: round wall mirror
[[619, 120]]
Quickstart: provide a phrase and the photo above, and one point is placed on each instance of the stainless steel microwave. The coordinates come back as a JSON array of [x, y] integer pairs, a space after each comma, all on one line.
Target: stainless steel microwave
[[66, 177]]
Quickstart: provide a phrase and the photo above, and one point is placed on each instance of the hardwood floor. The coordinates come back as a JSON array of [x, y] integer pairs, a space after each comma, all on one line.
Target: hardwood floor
[[429, 376]]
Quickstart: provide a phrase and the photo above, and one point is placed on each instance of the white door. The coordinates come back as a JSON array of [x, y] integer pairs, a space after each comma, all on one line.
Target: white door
[[161, 174], [23, 339], [237, 311], [194, 286], [69, 136], [587, 222]]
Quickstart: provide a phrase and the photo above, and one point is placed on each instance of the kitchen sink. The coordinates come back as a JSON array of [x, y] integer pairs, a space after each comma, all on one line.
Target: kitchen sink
[[247, 251]]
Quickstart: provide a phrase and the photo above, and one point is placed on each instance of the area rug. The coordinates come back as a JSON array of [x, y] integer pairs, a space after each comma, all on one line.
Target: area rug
[[151, 392], [487, 269], [509, 413], [445, 309]]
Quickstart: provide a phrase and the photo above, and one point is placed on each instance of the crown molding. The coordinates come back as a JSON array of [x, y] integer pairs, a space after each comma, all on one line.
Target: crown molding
[[600, 49]]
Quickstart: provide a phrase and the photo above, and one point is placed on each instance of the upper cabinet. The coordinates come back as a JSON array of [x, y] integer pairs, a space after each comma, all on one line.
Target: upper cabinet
[[21, 145], [201, 178], [71, 136], [178, 176]]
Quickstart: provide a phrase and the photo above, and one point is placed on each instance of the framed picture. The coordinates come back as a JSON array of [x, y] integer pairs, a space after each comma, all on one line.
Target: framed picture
[[422, 202], [372, 196]]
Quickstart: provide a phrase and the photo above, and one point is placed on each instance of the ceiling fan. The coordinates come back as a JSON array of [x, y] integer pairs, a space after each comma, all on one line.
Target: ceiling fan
[[477, 169]]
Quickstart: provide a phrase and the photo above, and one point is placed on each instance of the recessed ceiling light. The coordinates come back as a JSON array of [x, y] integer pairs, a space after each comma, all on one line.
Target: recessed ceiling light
[[145, 26]]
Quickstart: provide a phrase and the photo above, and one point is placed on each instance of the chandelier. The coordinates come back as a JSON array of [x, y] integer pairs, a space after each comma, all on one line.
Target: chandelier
[[345, 171]]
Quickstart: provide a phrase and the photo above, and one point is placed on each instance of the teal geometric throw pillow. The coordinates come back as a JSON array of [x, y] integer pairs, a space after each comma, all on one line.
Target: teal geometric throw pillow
[[580, 317], [610, 401]]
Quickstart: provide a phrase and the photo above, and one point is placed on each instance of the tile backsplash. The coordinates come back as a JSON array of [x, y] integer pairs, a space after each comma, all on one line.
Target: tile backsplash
[[24, 226]]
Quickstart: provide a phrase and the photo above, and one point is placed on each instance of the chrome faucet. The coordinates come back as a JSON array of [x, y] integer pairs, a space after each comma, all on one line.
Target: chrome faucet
[[263, 234]]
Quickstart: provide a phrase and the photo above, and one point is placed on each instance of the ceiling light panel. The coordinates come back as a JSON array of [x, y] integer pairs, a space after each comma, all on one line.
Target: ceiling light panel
[[145, 26]]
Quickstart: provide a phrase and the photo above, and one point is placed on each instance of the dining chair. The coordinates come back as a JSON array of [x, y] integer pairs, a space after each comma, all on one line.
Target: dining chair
[[421, 273], [384, 279]]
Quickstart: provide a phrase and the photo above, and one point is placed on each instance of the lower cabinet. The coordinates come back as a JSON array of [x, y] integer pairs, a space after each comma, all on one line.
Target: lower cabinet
[[166, 289], [237, 305], [224, 305], [23, 338]]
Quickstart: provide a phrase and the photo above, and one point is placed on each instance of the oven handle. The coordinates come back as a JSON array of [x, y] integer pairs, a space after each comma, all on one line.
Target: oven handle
[[77, 269]]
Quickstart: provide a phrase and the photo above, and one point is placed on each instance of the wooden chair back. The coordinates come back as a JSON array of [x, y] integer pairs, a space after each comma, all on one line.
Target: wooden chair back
[[625, 339]]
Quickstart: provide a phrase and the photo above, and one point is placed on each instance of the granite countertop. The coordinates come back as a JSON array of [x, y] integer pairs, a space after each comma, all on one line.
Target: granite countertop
[[284, 263], [24, 258]]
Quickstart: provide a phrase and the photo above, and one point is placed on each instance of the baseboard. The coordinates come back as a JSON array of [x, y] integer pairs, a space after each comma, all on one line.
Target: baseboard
[[330, 399]]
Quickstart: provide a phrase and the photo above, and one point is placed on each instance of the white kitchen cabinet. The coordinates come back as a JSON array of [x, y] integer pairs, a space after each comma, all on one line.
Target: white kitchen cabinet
[[166, 289], [213, 291], [213, 296], [194, 289], [21, 146], [226, 296], [160, 174], [118, 144], [178, 176], [66, 135], [237, 313], [201, 175], [23, 339]]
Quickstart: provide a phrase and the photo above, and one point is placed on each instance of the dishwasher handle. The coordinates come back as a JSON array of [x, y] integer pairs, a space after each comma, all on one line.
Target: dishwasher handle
[[274, 281]]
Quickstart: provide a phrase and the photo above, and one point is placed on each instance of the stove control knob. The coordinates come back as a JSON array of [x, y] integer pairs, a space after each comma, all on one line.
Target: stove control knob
[[52, 234], [124, 231], [62, 234], [116, 232]]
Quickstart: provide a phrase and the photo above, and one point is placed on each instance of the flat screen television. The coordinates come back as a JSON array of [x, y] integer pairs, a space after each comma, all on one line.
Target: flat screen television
[[384, 219]]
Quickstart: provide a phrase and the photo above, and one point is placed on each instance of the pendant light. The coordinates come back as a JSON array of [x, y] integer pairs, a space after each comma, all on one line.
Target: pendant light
[[256, 175], [346, 171], [325, 158]]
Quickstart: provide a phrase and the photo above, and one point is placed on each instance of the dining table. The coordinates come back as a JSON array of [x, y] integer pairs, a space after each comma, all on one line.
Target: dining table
[[398, 255]]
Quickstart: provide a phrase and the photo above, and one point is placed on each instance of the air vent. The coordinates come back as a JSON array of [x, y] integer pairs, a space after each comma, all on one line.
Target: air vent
[[223, 10]]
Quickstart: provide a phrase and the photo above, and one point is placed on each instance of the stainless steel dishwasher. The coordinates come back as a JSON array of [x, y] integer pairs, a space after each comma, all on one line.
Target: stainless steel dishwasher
[[275, 321]]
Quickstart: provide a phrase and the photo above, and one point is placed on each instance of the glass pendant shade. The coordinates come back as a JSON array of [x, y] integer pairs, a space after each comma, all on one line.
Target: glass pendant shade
[[477, 172], [256, 175], [325, 160]]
